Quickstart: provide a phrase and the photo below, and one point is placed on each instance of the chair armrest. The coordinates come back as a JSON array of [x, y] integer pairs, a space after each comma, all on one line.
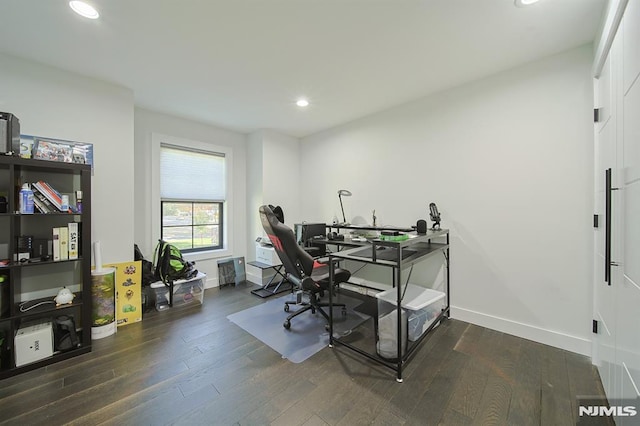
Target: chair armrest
[[306, 283]]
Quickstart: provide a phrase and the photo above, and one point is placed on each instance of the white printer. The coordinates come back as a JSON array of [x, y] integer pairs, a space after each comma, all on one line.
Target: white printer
[[265, 252]]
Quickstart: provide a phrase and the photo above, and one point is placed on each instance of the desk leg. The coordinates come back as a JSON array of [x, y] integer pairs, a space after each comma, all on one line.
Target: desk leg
[[400, 340], [331, 273], [448, 266]]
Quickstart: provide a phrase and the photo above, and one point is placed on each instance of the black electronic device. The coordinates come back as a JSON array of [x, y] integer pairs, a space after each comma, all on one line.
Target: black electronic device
[[9, 133], [24, 245], [41, 248], [64, 331], [421, 227], [390, 233], [307, 233], [334, 236], [435, 216]]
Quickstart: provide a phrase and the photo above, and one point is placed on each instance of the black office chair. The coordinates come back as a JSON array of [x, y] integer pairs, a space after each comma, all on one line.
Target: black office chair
[[300, 268]]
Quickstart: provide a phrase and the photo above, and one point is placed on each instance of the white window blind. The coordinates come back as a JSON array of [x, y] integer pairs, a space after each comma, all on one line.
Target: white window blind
[[187, 174]]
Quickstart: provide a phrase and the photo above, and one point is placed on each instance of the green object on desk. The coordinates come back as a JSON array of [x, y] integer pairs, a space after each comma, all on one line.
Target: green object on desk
[[400, 237]]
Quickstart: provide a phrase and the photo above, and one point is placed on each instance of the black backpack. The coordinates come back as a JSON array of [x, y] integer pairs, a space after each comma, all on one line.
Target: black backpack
[[169, 265], [148, 275]]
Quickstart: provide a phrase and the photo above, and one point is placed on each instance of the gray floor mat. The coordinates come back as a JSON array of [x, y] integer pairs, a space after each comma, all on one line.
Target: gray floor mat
[[307, 334]]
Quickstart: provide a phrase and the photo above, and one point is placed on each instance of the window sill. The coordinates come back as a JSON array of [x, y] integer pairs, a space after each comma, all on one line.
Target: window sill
[[207, 255]]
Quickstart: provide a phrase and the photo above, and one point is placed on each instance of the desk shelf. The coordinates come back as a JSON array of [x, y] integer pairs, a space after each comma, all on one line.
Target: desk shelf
[[398, 255]]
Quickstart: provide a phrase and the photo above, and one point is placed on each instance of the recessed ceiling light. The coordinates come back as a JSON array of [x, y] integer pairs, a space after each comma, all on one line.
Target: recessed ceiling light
[[302, 103], [523, 3], [84, 9]]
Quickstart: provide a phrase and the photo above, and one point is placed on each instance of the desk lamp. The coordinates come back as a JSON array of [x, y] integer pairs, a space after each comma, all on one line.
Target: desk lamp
[[341, 193]]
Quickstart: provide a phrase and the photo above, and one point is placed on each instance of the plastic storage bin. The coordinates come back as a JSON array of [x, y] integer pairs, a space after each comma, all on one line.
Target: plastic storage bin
[[420, 308], [185, 292]]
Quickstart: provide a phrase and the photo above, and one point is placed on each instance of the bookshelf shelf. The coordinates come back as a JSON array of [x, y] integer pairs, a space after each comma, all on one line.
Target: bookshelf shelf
[[36, 214], [44, 307], [41, 263], [39, 278]]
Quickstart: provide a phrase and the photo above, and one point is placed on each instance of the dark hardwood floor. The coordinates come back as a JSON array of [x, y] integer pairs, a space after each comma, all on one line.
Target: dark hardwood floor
[[192, 366]]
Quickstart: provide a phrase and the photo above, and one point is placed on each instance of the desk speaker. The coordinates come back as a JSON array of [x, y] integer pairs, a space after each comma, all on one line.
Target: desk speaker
[[9, 133], [64, 332], [421, 227]]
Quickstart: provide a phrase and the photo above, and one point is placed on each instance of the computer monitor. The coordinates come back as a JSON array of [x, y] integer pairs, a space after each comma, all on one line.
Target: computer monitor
[[305, 233]]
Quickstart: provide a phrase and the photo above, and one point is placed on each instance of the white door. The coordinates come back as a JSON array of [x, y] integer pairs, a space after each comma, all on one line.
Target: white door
[[628, 271], [605, 163], [617, 199]]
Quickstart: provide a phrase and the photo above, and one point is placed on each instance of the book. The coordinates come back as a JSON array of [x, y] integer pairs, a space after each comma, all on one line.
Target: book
[[50, 194], [73, 240], [42, 202], [39, 206], [56, 244], [64, 243]]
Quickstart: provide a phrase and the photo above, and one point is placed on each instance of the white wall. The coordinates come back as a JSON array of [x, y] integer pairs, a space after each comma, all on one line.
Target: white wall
[[147, 123], [273, 177], [254, 189], [281, 174], [508, 160], [58, 104]]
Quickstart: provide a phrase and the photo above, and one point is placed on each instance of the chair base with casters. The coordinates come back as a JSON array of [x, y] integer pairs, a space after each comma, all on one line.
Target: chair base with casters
[[314, 305]]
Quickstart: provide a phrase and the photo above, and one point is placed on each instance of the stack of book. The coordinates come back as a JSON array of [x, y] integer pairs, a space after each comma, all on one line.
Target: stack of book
[[46, 199], [66, 242]]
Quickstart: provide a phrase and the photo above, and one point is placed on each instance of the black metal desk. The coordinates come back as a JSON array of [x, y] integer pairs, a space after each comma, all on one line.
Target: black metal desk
[[347, 242], [370, 228], [403, 254]]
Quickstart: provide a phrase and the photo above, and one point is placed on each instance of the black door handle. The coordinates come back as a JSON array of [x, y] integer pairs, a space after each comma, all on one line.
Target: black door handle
[[607, 227]]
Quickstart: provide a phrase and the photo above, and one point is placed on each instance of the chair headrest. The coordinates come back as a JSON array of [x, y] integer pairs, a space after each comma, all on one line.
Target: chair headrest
[[277, 211]]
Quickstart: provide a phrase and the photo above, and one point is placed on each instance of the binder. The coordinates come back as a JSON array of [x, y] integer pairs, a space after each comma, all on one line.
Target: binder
[[56, 243], [73, 240], [64, 243]]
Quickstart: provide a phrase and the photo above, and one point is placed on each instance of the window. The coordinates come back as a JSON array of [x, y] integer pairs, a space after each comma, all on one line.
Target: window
[[192, 197]]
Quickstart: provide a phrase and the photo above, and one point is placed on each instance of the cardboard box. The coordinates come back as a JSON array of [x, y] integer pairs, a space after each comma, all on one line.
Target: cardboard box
[[33, 343], [267, 254], [128, 292]]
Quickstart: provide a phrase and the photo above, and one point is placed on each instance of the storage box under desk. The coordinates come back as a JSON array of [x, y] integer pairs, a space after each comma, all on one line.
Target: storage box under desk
[[185, 292], [420, 308]]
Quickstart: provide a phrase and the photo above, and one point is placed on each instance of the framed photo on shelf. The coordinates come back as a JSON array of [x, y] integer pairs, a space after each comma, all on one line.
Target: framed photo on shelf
[[44, 149], [57, 150]]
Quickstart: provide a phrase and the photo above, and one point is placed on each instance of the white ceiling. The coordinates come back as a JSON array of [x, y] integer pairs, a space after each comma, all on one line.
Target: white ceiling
[[241, 64]]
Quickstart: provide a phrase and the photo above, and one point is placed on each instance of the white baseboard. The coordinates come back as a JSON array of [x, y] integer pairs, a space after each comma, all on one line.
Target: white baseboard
[[211, 282], [552, 338], [256, 278]]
